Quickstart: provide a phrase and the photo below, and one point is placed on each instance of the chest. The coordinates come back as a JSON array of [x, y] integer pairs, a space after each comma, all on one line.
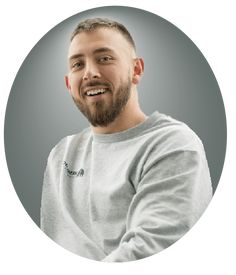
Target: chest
[[100, 182]]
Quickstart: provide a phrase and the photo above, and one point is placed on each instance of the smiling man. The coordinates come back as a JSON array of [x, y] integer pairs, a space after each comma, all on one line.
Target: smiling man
[[103, 76], [130, 185]]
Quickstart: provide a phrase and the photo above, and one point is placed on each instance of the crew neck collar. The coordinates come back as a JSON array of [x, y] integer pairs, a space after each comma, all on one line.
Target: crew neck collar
[[127, 134]]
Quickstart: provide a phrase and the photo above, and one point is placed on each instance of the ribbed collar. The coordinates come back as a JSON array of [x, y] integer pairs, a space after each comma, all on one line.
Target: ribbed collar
[[127, 134]]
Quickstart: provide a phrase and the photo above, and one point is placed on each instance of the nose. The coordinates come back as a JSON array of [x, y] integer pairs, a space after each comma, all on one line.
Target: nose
[[91, 72]]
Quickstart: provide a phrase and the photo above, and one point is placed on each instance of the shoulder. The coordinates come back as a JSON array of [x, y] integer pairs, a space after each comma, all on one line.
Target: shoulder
[[70, 142], [172, 134], [175, 150]]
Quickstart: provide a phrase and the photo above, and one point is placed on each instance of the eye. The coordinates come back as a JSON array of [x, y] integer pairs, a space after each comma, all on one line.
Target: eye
[[77, 65], [104, 59]]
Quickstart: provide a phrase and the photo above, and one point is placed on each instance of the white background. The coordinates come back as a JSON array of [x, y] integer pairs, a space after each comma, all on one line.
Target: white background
[[209, 248]]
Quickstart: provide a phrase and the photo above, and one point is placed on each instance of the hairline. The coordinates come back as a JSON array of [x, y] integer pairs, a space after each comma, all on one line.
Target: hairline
[[116, 29]]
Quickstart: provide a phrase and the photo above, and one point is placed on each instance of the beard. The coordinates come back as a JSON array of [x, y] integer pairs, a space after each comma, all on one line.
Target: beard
[[101, 113]]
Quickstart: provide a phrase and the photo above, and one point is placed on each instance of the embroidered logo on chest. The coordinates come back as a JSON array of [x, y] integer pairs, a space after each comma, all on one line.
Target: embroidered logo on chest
[[72, 173]]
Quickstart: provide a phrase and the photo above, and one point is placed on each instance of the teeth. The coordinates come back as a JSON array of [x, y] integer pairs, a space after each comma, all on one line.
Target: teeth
[[96, 92]]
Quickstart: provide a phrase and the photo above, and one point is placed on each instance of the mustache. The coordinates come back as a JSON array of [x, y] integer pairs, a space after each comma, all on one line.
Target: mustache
[[95, 83]]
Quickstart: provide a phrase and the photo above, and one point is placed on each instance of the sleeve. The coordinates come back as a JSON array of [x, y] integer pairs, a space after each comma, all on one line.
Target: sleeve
[[56, 220], [174, 190]]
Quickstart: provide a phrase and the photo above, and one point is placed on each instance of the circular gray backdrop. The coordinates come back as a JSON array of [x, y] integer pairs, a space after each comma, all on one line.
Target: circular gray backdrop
[[177, 81]]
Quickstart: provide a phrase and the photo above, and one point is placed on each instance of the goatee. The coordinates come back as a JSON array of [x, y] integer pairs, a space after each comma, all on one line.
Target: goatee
[[102, 114]]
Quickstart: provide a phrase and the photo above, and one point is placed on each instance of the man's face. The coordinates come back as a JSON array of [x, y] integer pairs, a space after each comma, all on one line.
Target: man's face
[[100, 80]]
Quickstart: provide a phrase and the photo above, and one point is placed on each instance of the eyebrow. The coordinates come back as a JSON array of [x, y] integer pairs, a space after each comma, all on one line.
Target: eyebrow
[[99, 50]]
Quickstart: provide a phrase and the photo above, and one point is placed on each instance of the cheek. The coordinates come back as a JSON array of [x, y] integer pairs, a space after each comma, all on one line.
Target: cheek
[[114, 77], [123, 74], [75, 82]]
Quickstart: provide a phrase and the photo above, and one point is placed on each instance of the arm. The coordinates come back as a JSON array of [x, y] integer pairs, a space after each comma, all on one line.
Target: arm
[[174, 191], [57, 219]]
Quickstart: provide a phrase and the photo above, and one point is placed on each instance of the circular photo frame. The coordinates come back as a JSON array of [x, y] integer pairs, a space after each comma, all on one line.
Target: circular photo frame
[[176, 81]]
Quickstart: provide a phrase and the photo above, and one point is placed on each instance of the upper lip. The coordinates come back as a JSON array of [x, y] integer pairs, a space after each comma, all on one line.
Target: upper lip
[[92, 88]]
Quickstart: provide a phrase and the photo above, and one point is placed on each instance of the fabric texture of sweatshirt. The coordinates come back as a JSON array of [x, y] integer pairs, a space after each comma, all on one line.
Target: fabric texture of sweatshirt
[[128, 195]]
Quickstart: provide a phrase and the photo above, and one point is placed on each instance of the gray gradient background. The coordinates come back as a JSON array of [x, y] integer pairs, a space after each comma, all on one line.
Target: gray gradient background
[[177, 81]]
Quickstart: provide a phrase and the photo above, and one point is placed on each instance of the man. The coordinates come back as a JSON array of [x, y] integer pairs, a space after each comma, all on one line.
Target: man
[[130, 185]]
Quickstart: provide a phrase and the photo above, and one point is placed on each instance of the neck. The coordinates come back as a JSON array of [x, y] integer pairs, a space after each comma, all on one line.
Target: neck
[[131, 116]]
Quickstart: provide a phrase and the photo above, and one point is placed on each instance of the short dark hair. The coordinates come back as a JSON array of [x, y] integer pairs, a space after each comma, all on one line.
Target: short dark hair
[[95, 23]]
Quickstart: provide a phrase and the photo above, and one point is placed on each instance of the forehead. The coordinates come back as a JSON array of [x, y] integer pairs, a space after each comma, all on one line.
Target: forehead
[[86, 42]]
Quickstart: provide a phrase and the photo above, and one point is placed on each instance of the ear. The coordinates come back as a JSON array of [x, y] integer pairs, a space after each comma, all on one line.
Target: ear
[[67, 83], [138, 70]]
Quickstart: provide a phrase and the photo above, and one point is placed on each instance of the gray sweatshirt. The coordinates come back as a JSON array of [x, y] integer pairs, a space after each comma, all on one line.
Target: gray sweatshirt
[[125, 196]]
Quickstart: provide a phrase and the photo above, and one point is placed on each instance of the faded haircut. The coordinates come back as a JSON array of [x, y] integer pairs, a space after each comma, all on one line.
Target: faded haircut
[[95, 23]]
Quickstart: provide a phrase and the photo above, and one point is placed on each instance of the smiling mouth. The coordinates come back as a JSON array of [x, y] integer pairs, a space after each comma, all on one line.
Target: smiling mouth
[[95, 92]]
